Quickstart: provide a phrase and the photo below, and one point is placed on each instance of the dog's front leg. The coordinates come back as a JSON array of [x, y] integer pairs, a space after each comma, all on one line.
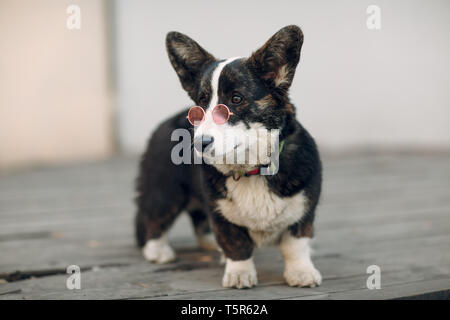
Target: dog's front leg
[[238, 247], [299, 269]]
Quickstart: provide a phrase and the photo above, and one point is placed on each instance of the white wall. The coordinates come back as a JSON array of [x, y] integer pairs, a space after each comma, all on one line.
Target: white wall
[[354, 87]]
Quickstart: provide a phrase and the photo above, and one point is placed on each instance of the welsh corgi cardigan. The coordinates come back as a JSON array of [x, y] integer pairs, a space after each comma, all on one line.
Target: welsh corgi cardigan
[[244, 207]]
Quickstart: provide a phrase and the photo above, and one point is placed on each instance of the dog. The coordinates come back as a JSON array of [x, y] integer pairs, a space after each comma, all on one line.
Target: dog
[[234, 204]]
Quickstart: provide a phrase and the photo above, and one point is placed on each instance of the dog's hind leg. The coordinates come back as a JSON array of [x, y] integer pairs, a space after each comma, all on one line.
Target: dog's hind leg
[[203, 232], [163, 189], [151, 232], [155, 216]]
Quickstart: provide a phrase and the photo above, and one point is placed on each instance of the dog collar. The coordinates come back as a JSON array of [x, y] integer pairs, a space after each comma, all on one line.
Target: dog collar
[[252, 172], [237, 174]]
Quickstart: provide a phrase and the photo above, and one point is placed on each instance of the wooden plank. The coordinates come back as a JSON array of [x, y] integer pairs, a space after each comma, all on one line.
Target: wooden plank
[[114, 238], [201, 281], [435, 289]]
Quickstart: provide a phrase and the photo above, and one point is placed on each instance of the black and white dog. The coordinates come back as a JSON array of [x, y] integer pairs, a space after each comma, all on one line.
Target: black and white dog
[[246, 208]]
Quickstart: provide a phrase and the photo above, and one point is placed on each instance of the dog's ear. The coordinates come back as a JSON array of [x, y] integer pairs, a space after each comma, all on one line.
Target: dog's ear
[[276, 60], [187, 58]]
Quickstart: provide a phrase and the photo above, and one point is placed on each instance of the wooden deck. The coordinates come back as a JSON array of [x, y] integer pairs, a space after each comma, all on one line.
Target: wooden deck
[[387, 210]]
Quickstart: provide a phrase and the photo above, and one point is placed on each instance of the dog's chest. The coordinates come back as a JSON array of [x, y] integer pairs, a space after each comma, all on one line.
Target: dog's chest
[[251, 204]]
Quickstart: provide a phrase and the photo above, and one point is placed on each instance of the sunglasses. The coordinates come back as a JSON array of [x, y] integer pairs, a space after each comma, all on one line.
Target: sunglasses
[[220, 114]]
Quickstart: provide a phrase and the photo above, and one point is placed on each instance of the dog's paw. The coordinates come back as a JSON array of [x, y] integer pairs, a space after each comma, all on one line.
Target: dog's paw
[[207, 242], [240, 280], [158, 251], [303, 276], [240, 274]]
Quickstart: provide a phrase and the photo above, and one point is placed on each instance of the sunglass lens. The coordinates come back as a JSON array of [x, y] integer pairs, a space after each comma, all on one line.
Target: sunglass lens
[[195, 115], [221, 114]]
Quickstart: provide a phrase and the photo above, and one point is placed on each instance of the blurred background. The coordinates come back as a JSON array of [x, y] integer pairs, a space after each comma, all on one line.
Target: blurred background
[[69, 95]]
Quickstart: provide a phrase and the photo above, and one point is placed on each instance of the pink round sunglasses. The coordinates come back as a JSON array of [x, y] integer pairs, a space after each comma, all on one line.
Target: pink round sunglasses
[[220, 114]]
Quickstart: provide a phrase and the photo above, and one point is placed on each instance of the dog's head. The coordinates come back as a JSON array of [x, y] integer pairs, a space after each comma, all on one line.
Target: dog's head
[[255, 89]]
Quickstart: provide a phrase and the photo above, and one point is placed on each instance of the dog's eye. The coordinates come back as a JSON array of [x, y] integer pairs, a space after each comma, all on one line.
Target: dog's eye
[[236, 99]]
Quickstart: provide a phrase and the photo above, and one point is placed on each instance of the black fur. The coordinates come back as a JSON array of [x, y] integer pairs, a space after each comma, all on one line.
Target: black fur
[[165, 189]]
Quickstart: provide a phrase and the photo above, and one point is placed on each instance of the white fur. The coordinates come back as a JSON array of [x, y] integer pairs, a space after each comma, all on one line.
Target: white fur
[[241, 148], [299, 269], [158, 250], [240, 274], [251, 204]]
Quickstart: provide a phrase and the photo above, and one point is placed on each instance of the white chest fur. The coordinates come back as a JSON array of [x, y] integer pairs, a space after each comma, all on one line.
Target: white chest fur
[[251, 204]]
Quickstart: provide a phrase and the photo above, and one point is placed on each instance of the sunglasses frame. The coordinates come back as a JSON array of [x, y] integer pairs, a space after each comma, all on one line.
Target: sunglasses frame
[[229, 113]]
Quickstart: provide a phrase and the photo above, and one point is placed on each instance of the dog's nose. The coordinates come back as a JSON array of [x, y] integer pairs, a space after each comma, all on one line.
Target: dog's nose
[[200, 143]]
